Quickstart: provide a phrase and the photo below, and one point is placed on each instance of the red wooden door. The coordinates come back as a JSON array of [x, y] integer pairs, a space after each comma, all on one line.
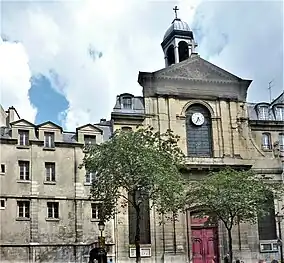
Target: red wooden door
[[204, 245]]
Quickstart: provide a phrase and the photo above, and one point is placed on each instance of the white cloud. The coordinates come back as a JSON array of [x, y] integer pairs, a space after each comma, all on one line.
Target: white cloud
[[246, 38], [15, 77], [58, 36]]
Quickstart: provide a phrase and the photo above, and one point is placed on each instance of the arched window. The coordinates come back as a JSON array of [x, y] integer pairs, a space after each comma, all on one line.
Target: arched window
[[183, 51], [199, 131], [266, 223], [171, 55], [266, 141]]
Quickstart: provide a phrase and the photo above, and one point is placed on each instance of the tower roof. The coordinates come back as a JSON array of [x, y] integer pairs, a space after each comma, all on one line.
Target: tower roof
[[177, 28], [177, 25]]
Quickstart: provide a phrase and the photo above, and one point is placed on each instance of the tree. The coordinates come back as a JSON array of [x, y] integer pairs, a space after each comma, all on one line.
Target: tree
[[137, 166], [232, 196]]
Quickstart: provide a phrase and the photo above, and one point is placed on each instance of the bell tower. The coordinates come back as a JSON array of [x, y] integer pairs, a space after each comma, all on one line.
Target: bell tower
[[178, 43]]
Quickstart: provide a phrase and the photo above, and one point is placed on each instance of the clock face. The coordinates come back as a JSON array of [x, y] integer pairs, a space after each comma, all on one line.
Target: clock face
[[197, 118]]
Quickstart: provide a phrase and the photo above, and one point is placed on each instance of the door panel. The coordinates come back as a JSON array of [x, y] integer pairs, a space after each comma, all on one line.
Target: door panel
[[197, 246], [210, 245]]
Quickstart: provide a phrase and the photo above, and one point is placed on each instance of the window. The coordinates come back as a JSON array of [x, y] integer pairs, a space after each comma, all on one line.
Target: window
[[170, 55], [23, 209], [145, 237], [52, 209], [49, 139], [24, 170], [279, 113], [90, 177], [2, 204], [96, 211], [3, 168], [267, 224], [266, 141], [23, 137], [50, 172], [89, 140], [199, 136], [281, 141], [127, 103], [126, 128], [263, 113], [183, 51]]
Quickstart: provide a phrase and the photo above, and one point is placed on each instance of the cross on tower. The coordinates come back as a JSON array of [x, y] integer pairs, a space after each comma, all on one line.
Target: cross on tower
[[175, 9]]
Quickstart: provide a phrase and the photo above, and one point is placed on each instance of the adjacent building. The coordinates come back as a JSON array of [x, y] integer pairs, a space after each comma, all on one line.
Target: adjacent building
[[46, 213]]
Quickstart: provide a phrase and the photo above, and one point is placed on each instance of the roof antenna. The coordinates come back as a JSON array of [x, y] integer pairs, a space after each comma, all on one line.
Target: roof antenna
[[269, 88]]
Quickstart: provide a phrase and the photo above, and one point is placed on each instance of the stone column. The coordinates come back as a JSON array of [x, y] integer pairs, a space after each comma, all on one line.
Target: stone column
[[176, 55], [166, 61], [176, 51]]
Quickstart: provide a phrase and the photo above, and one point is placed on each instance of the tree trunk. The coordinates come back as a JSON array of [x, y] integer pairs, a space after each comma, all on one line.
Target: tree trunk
[[230, 241], [137, 234]]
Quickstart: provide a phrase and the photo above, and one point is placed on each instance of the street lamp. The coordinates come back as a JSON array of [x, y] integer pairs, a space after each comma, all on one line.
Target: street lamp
[[102, 253], [101, 227], [279, 218]]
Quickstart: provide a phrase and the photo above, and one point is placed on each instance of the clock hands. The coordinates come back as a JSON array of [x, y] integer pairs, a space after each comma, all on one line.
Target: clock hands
[[197, 118]]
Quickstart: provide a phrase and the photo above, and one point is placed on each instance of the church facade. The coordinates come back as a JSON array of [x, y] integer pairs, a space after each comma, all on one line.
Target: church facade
[[46, 215]]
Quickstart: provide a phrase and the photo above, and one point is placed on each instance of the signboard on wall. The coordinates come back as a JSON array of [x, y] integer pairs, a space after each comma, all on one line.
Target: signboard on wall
[[144, 252]]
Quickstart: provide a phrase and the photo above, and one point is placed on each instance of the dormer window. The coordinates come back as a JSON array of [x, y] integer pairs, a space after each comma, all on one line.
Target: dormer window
[[279, 113], [49, 140], [23, 137], [263, 113], [126, 103], [89, 140]]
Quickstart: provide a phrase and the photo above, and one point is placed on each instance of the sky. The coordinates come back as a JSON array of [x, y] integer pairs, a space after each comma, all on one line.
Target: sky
[[66, 61]]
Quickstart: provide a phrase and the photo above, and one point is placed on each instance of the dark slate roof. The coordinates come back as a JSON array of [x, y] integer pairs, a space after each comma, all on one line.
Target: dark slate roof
[[279, 99], [251, 111], [68, 137], [137, 102], [106, 127], [252, 107]]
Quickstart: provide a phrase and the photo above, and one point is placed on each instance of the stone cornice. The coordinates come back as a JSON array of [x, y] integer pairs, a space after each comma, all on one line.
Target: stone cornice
[[45, 197], [198, 81]]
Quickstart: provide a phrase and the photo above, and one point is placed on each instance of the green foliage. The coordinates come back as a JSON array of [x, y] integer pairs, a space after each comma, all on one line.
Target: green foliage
[[233, 196], [141, 161]]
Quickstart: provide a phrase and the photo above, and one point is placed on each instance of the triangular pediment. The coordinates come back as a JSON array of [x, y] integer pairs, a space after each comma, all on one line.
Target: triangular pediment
[[89, 128], [22, 123], [49, 125], [196, 68]]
